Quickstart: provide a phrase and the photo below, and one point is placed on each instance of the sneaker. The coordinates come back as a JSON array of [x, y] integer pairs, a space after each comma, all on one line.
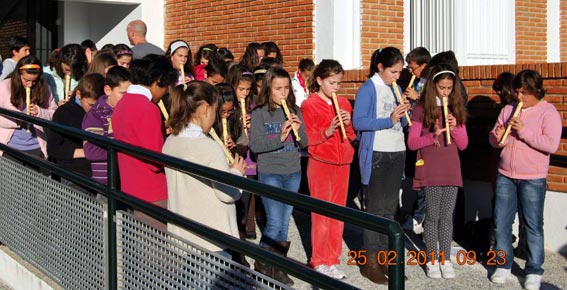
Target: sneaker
[[412, 225], [337, 272], [432, 270], [447, 270], [500, 275], [324, 269], [533, 281]]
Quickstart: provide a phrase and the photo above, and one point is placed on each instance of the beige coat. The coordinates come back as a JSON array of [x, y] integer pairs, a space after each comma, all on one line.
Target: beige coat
[[198, 199]]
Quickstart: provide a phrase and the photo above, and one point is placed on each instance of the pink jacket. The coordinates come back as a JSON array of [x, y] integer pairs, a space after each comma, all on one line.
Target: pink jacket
[[7, 126], [439, 165], [525, 154]]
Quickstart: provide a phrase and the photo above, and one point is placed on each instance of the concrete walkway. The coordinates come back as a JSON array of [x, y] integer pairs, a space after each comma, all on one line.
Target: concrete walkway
[[3, 286], [473, 277]]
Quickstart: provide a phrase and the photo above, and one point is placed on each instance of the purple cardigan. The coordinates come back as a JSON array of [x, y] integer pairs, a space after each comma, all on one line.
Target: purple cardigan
[[436, 165], [98, 121]]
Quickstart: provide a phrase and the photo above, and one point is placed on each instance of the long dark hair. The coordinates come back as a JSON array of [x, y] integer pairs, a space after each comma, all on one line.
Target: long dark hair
[[226, 94], [265, 96], [250, 59], [531, 81], [324, 69], [39, 92], [388, 57], [72, 55], [503, 87], [205, 51], [428, 98], [188, 66], [238, 73], [185, 99]]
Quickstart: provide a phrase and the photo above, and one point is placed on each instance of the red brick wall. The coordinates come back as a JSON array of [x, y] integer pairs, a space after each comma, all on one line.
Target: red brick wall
[[234, 24], [382, 25], [563, 30], [478, 82], [531, 31], [10, 28]]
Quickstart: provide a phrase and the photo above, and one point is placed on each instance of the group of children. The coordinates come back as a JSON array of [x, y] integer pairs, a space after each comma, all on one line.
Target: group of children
[[267, 119], [527, 131]]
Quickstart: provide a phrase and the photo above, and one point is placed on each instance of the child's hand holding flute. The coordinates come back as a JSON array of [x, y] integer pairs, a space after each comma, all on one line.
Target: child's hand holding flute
[[239, 164], [401, 102], [410, 91], [400, 111], [514, 123], [292, 124], [335, 123]]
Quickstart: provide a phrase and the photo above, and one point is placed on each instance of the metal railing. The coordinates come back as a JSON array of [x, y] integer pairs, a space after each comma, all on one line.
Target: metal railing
[[115, 196]]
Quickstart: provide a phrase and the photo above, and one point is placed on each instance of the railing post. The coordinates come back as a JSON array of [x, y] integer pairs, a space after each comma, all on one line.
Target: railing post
[[112, 184], [396, 279]]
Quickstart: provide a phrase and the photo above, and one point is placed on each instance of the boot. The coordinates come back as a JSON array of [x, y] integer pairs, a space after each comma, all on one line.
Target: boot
[[250, 221], [240, 259], [237, 256], [281, 248], [263, 268], [384, 269], [373, 272]]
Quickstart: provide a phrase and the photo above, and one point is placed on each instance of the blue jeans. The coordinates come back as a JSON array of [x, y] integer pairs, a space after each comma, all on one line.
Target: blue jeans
[[529, 195], [278, 213]]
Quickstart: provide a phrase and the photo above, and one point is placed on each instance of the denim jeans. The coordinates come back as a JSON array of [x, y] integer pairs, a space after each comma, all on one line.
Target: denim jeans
[[529, 195], [278, 213]]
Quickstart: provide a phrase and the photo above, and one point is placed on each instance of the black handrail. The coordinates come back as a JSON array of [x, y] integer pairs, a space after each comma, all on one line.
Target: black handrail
[[558, 160], [306, 203]]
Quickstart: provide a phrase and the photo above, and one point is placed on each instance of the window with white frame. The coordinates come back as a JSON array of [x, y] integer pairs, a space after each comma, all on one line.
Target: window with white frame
[[478, 31]]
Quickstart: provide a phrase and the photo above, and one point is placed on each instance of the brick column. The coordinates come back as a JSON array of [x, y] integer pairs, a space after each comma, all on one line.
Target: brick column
[[382, 25], [531, 31]]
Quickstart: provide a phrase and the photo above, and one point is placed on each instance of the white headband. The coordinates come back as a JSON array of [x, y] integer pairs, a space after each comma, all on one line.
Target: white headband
[[178, 44], [443, 72]]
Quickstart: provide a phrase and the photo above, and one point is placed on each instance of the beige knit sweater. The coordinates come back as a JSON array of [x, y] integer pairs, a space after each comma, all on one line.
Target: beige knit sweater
[[209, 203]]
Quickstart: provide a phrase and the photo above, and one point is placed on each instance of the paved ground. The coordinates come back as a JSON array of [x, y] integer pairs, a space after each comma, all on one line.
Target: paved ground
[[473, 277], [29, 267], [4, 286], [469, 277]]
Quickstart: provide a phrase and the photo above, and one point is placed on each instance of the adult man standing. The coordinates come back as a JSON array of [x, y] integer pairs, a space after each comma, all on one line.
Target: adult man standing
[[137, 30]]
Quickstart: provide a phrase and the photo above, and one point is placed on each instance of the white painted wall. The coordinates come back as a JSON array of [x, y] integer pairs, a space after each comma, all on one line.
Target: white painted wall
[[407, 28], [553, 36], [555, 221], [105, 21], [337, 32], [485, 32]]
